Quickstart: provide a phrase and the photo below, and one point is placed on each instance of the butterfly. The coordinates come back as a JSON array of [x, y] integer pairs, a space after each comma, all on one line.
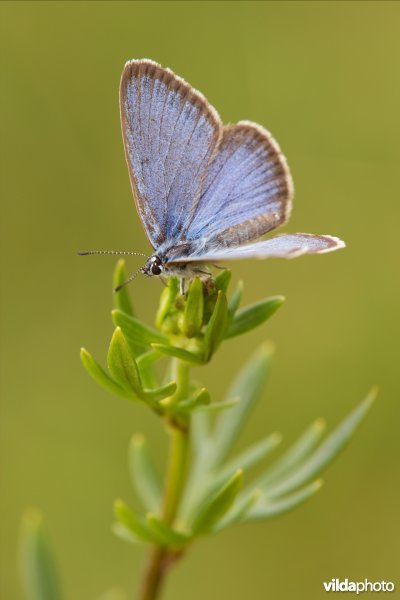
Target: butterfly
[[204, 191]]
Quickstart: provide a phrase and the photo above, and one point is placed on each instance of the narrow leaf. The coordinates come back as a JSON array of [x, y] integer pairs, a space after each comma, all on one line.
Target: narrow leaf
[[133, 522], [160, 393], [147, 359], [122, 366], [223, 279], [220, 502], [248, 387], [100, 376], [202, 398], [266, 509], [253, 455], [201, 430], [180, 353], [143, 473], [126, 534], [194, 307], [234, 301], [122, 301], [218, 406], [295, 454], [216, 327], [38, 571], [251, 316], [211, 481], [324, 454], [137, 332], [145, 362], [167, 300], [166, 535], [239, 511]]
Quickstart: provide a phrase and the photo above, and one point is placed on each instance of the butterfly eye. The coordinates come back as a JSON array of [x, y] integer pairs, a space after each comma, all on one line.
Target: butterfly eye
[[155, 269]]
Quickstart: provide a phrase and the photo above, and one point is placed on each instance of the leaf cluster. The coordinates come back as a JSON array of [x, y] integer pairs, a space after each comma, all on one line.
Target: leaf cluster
[[188, 329], [216, 495], [222, 488]]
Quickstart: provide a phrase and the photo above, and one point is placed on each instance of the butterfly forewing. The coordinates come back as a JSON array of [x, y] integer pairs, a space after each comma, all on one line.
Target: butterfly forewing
[[170, 135]]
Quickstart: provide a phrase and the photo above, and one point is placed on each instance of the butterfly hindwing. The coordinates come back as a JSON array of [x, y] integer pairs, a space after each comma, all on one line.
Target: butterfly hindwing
[[247, 191], [289, 245]]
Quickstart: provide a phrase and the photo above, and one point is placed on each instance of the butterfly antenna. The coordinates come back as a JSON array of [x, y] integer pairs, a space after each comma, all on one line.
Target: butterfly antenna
[[86, 252], [121, 285]]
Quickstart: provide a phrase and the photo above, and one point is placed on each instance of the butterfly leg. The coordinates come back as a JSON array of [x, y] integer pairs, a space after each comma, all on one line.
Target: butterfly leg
[[201, 272], [182, 286]]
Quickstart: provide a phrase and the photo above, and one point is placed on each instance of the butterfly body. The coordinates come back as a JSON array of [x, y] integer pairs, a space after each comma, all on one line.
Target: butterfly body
[[204, 192]]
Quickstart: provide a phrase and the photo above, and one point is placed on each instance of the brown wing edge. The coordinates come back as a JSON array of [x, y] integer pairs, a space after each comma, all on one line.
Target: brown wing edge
[[137, 68], [265, 138]]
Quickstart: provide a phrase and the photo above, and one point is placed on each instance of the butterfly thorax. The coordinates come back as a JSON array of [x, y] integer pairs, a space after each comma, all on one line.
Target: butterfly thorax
[[163, 261]]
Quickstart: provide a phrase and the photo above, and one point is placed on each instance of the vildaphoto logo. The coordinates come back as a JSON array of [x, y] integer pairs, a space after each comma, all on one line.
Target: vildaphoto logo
[[337, 585]]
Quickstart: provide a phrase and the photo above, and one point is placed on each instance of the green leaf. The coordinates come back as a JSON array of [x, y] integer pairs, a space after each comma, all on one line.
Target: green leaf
[[201, 399], [220, 502], [266, 508], [160, 393], [143, 473], [324, 454], [122, 366], [223, 279], [122, 301], [295, 454], [216, 327], [147, 359], [180, 353], [166, 535], [218, 406], [100, 376], [145, 364], [208, 480], [136, 332], [253, 455], [194, 307], [239, 511], [134, 523], [248, 387], [200, 430], [126, 534], [37, 566], [167, 300], [251, 316], [234, 301]]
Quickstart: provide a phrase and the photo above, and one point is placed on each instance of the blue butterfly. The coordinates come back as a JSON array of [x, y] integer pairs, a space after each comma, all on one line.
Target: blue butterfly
[[203, 190]]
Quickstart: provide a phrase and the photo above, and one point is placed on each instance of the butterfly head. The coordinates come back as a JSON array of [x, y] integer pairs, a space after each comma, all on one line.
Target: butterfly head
[[153, 266]]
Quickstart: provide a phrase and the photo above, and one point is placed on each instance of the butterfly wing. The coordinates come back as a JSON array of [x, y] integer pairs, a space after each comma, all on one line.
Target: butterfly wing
[[288, 245], [247, 192], [170, 133]]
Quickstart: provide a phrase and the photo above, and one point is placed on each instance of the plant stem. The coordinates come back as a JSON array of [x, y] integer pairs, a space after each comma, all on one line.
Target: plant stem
[[176, 473], [160, 557]]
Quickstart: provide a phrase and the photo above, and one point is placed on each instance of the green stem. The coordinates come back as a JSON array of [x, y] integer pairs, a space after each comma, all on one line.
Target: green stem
[[176, 473], [161, 558]]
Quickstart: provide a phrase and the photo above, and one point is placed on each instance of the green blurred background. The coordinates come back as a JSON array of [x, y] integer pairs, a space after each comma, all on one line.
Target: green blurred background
[[324, 78]]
